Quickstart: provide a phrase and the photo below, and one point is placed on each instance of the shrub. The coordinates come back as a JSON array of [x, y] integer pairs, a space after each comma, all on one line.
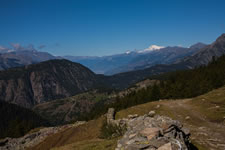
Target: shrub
[[109, 131]]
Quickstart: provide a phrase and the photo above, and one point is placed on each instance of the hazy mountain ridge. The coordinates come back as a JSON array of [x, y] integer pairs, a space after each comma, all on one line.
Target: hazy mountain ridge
[[101, 65], [202, 57], [17, 58], [135, 60], [166, 55]]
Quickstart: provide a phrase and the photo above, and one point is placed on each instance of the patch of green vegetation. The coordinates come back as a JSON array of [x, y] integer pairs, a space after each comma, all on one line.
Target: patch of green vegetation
[[109, 131], [100, 97]]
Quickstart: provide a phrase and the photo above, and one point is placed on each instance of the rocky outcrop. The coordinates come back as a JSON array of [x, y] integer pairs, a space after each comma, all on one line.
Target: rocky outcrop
[[32, 139], [152, 132]]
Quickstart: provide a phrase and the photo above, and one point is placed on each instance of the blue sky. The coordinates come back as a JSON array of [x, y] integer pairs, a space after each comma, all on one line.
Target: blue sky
[[104, 27]]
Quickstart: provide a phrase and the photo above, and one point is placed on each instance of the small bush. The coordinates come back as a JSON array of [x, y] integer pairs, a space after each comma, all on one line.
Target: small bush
[[109, 131]]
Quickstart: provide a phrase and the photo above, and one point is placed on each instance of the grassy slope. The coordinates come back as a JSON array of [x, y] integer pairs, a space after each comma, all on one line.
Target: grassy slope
[[206, 123], [81, 137]]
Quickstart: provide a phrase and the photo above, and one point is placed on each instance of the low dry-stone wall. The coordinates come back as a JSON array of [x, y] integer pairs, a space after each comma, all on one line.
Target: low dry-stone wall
[[151, 132], [32, 139]]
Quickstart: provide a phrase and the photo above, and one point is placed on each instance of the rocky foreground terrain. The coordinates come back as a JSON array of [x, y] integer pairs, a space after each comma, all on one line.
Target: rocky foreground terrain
[[151, 132]]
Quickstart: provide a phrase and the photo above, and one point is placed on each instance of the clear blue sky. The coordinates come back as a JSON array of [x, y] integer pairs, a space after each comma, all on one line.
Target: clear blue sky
[[103, 27]]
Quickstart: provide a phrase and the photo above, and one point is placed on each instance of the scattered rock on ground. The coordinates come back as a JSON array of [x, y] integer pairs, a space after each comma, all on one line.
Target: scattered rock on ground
[[158, 106], [153, 132], [151, 113], [187, 118], [132, 116]]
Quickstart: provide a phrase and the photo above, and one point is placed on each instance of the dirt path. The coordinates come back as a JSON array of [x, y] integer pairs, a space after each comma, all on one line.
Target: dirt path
[[207, 133]]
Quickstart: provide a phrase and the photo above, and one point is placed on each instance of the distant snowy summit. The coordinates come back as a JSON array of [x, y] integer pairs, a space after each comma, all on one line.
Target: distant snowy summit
[[151, 48], [128, 52]]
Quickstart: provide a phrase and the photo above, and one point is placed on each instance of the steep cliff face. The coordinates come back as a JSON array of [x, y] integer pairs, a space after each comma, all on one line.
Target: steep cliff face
[[46, 81]]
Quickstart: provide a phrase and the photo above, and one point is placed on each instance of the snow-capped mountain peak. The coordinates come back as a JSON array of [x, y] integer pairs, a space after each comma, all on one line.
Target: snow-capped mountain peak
[[128, 52], [151, 48], [154, 47]]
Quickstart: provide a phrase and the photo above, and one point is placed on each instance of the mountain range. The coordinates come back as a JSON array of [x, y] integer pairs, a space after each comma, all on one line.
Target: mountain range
[[55, 79], [136, 60], [108, 65]]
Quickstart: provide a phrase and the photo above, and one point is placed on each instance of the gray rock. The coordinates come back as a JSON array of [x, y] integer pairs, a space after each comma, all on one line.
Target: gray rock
[[132, 116], [151, 133], [151, 113], [110, 115], [119, 145], [158, 106], [186, 131]]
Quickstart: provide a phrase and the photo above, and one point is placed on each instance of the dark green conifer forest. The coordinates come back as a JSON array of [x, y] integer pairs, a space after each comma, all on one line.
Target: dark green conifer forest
[[17, 121]]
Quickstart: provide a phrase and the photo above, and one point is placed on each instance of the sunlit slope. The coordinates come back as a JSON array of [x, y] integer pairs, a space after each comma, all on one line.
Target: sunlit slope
[[203, 115]]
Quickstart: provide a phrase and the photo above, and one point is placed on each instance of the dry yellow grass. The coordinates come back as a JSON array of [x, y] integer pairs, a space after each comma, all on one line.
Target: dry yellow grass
[[88, 131], [206, 123], [94, 144]]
